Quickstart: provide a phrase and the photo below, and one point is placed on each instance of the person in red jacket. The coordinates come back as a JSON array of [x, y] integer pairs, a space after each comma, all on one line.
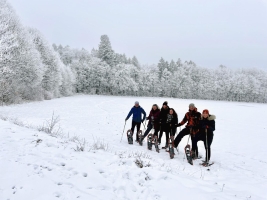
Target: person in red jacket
[[153, 122], [192, 118]]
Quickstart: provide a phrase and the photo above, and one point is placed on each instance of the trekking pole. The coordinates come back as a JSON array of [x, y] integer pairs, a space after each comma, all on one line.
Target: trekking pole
[[123, 130], [188, 139], [177, 149], [144, 126], [207, 149]]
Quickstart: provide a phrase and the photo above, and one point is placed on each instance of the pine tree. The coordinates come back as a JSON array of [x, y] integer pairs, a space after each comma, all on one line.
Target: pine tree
[[135, 62], [105, 52], [161, 67]]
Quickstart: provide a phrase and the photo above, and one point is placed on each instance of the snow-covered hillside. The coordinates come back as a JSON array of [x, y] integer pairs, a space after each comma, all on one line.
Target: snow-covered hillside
[[35, 165]]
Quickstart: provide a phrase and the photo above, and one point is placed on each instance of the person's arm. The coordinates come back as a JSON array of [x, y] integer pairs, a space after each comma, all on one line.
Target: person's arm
[[157, 117], [130, 113], [174, 122], [149, 116], [144, 113], [211, 125], [183, 121]]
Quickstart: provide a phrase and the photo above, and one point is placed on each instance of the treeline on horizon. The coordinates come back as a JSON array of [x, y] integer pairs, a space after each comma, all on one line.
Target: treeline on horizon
[[32, 69]]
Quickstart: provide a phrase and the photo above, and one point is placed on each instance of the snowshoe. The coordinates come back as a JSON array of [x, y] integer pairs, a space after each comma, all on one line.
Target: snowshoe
[[206, 164], [130, 136], [149, 141], [187, 150], [171, 147], [165, 147], [156, 143], [140, 137]]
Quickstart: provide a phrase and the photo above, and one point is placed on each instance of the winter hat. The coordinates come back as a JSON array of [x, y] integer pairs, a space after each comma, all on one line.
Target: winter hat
[[192, 105], [165, 103], [205, 111], [136, 103]]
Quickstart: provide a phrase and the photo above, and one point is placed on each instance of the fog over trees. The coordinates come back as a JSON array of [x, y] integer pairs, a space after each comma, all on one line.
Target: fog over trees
[[33, 69]]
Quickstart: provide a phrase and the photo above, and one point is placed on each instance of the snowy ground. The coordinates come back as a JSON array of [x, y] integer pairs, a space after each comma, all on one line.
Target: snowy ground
[[52, 169]]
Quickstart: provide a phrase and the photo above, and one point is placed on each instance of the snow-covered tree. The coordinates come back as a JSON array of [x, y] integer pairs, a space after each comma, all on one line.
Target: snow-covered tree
[[135, 62], [18, 54], [105, 52]]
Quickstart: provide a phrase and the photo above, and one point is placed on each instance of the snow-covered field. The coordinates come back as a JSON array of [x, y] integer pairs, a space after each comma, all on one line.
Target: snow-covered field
[[52, 169]]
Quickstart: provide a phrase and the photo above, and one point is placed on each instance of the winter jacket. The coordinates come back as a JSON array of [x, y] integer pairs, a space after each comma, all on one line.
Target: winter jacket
[[192, 118], [137, 114], [154, 117], [207, 123], [163, 114], [171, 121]]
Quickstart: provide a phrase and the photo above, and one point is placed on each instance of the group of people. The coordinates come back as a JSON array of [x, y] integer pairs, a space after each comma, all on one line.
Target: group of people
[[199, 126]]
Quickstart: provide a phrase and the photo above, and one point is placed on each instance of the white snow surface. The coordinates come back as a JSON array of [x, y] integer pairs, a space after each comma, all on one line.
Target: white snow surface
[[52, 169]]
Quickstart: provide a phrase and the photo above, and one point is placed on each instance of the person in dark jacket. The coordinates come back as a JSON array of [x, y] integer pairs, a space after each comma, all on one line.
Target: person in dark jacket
[[137, 112], [153, 121], [163, 117], [205, 134], [192, 118], [170, 128]]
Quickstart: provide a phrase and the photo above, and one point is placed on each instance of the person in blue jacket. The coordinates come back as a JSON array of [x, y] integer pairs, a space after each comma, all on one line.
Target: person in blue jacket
[[137, 112]]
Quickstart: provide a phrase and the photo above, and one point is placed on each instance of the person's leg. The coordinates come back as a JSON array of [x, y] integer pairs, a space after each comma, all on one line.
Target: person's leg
[[156, 132], [179, 137], [207, 143], [194, 141], [167, 137], [161, 132], [138, 124], [195, 138], [173, 130], [133, 126], [147, 131], [210, 138], [155, 136]]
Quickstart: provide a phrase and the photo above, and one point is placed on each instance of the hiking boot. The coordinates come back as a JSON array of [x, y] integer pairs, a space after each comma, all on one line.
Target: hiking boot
[[205, 164]]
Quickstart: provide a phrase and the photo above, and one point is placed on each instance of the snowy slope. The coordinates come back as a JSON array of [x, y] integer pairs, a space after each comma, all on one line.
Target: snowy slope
[[52, 169]]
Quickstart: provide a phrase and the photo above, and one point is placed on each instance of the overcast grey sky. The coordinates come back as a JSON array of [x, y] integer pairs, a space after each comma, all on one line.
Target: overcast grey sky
[[208, 32]]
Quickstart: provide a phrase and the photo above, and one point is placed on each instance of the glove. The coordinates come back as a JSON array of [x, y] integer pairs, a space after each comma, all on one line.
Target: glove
[[178, 125], [192, 127], [205, 127]]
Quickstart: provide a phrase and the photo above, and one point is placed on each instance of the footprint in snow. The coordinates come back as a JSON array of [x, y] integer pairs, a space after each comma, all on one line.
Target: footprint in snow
[[75, 172], [14, 188], [63, 164], [84, 174], [57, 194]]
